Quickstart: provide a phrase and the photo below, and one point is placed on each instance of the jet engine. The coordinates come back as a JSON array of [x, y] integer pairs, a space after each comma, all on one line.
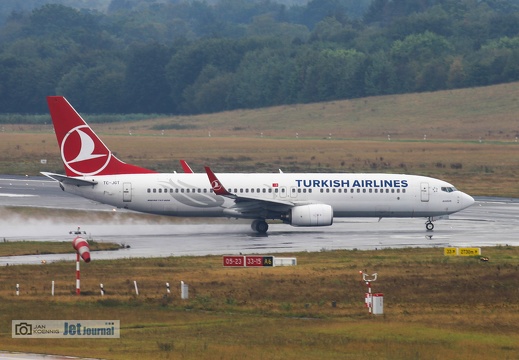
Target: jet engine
[[311, 215]]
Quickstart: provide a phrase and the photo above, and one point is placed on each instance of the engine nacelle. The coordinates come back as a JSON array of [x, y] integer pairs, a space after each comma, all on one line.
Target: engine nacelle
[[311, 215]]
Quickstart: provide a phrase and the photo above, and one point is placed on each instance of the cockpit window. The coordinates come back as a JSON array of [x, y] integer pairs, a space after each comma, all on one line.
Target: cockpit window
[[448, 189]]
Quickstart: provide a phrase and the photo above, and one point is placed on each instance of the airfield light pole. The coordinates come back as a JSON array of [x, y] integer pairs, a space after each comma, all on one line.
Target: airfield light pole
[[369, 296]]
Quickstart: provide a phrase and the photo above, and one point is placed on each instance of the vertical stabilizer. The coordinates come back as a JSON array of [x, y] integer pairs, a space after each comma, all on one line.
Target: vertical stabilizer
[[82, 152]]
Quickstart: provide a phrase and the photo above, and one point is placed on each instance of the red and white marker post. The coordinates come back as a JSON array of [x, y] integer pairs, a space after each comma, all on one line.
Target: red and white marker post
[[83, 252], [368, 297]]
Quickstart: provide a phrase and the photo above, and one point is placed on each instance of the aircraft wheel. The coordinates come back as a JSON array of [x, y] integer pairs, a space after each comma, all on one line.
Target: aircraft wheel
[[260, 226], [429, 225]]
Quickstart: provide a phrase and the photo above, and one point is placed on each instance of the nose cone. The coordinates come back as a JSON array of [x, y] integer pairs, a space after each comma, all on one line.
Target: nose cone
[[465, 201]]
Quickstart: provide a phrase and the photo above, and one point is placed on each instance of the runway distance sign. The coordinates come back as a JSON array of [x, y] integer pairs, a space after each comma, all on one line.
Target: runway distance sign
[[247, 261], [454, 251]]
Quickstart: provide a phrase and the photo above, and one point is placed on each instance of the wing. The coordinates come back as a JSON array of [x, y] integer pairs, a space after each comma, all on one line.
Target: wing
[[249, 206]]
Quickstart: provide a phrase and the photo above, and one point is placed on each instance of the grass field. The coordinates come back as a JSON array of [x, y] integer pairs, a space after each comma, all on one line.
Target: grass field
[[471, 139], [435, 307]]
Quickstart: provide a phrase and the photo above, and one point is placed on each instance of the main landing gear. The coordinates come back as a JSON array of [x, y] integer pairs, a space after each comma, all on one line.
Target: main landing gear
[[260, 226], [429, 225]]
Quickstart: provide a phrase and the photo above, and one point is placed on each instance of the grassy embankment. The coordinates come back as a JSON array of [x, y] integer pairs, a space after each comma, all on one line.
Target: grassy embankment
[[17, 248], [471, 139], [436, 307]]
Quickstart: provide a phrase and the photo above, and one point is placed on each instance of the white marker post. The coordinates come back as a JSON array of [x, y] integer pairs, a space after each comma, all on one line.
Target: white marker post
[[102, 289], [136, 288], [168, 290], [184, 291], [17, 289], [52, 288]]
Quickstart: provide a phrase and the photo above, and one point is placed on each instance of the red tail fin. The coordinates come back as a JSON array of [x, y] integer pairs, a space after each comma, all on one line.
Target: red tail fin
[[82, 152]]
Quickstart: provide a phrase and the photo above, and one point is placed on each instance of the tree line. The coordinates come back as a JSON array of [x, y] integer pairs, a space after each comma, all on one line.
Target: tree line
[[188, 57]]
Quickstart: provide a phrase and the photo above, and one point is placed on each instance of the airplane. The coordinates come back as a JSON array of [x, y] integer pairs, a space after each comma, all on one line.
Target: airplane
[[298, 199]]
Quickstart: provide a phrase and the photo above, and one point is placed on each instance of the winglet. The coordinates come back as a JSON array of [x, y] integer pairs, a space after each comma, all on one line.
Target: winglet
[[187, 169], [217, 186]]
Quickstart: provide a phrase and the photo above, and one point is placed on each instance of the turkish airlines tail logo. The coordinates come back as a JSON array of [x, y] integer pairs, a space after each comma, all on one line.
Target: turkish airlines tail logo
[[83, 153]]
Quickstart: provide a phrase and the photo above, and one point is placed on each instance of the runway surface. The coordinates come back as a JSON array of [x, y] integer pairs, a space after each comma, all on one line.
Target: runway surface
[[490, 221]]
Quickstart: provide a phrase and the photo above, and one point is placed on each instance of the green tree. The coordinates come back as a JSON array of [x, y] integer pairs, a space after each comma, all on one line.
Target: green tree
[[146, 88], [259, 79], [420, 61], [209, 93]]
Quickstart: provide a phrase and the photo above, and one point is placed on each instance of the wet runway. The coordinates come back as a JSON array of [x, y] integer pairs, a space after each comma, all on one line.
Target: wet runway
[[490, 221]]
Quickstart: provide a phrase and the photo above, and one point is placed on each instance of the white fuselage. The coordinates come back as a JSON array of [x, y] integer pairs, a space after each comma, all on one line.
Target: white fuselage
[[350, 195]]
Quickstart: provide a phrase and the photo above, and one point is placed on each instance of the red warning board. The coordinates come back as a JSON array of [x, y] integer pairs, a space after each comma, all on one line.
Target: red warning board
[[234, 261]]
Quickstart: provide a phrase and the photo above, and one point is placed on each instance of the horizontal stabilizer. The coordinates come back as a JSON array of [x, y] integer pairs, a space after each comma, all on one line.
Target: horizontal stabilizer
[[70, 180]]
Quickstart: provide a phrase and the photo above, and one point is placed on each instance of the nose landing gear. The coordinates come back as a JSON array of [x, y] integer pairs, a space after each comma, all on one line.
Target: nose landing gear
[[429, 225]]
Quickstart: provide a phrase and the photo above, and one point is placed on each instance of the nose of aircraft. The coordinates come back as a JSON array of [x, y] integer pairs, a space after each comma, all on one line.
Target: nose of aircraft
[[465, 201]]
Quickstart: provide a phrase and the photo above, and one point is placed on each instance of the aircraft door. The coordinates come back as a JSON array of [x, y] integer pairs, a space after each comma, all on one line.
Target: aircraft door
[[424, 192], [127, 192], [293, 191]]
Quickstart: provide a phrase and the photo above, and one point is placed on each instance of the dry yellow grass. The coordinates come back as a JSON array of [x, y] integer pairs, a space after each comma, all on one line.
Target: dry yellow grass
[[435, 307]]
